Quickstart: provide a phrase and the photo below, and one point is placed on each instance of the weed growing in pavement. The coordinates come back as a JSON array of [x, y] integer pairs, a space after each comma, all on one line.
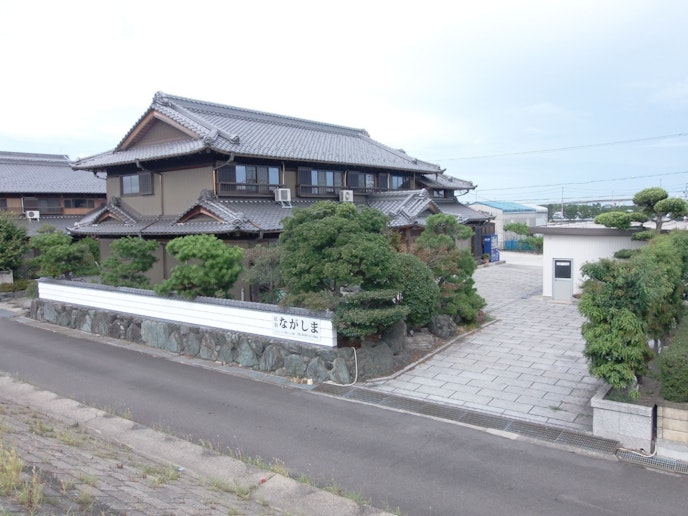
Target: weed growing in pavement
[[219, 485], [70, 439], [42, 429], [241, 491], [10, 470], [66, 485], [354, 496], [86, 500], [88, 479], [30, 492], [160, 474]]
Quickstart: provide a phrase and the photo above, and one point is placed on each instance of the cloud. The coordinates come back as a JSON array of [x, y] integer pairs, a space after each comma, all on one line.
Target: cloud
[[675, 93]]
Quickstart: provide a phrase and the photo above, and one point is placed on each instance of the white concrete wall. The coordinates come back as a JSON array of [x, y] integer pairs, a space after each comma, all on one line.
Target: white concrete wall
[[267, 323], [581, 249]]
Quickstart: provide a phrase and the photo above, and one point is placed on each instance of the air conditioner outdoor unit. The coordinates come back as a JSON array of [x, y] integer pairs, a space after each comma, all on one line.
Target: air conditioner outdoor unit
[[346, 195], [33, 215], [282, 195]]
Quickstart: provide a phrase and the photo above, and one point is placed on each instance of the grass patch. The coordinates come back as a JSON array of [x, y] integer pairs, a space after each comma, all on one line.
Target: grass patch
[[219, 485], [10, 470], [42, 429], [70, 439], [88, 479], [160, 475], [30, 492], [86, 500]]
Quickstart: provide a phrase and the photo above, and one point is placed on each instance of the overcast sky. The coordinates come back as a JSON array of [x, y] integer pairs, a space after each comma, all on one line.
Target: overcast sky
[[533, 101]]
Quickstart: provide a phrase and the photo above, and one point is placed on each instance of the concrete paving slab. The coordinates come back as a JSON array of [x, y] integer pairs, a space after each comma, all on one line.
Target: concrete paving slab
[[528, 364]]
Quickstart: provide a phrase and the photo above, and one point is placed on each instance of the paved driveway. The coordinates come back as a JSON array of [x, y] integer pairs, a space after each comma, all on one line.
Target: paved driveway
[[526, 365]]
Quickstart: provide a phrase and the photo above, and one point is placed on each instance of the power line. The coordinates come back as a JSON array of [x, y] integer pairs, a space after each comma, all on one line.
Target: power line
[[558, 149], [585, 182]]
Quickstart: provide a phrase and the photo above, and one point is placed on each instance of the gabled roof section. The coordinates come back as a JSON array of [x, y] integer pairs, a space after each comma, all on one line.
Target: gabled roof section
[[405, 208], [242, 132], [114, 212], [27, 173]]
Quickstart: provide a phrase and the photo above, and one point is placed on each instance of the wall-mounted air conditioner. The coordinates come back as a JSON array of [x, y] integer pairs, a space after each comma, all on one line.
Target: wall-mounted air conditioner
[[282, 195], [346, 195], [33, 215]]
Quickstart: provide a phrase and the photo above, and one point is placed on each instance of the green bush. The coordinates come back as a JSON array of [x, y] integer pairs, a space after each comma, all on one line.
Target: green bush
[[17, 286], [368, 313], [624, 254], [419, 290], [673, 370]]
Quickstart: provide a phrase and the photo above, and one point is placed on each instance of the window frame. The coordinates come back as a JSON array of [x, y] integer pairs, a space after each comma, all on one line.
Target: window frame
[[126, 184], [247, 179]]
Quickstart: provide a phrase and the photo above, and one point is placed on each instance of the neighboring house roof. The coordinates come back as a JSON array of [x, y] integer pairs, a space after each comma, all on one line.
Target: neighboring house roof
[[465, 214], [242, 132], [505, 206], [537, 208], [213, 215], [26, 173], [62, 223]]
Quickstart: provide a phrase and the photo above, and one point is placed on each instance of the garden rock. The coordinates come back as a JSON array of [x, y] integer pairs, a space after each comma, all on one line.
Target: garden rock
[[443, 327], [395, 337]]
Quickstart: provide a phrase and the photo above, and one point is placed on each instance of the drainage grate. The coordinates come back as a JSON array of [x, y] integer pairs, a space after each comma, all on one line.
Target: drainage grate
[[588, 442], [485, 420], [533, 430], [662, 463], [366, 396], [333, 389], [443, 412], [407, 404], [468, 417]]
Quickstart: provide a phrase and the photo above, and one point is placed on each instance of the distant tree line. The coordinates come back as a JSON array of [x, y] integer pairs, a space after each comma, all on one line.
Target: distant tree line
[[584, 211]]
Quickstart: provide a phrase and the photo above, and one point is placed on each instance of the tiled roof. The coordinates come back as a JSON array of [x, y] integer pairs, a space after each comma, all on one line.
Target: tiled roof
[[464, 213], [25, 173], [227, 130], [447, 182], [61, 223], [404, 208]]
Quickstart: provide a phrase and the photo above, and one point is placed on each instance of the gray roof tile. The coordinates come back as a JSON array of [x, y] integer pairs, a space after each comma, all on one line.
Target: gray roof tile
[[405, 208], [228, 129], [25, 173]]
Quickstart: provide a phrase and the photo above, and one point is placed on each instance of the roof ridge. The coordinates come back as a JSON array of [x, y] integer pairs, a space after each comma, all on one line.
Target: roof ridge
[[162, 98]]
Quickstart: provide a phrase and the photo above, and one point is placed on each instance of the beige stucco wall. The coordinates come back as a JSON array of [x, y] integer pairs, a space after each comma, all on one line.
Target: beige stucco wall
[[181, 188], [173, 192]]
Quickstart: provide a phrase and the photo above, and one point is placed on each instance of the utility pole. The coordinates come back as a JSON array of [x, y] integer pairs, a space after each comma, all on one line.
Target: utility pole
[[562, 202]]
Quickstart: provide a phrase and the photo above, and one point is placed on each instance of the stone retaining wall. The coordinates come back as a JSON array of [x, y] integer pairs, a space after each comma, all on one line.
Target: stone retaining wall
[[281, 357]]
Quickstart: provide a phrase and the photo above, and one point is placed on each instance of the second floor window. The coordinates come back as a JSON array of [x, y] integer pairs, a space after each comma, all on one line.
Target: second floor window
[[260, 179], [320, 182], [398, 182], [137, 184], [79, 203], [363, 182]]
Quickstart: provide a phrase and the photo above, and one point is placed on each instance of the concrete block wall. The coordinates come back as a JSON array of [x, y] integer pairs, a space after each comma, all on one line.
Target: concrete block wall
[[672, 430]]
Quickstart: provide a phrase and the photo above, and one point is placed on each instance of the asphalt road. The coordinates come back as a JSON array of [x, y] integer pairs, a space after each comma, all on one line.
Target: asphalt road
[[420, 465]]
